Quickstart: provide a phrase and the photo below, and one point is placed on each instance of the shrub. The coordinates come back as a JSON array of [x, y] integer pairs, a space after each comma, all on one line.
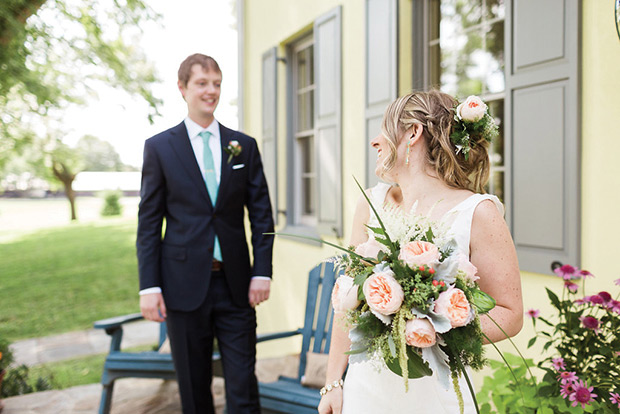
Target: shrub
[[112, 205], [16, 379]]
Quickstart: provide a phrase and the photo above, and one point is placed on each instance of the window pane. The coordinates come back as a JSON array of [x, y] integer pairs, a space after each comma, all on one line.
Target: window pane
[[434, 19], [304, 109], [494, 9], [469, 12], [496, 151], [494, 80], [302, 69], [497, 184]]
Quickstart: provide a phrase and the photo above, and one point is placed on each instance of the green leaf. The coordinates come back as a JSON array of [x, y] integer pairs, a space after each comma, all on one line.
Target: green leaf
[[392, 346], [531, 342], [482, 301], [554, 298], [416, 365]]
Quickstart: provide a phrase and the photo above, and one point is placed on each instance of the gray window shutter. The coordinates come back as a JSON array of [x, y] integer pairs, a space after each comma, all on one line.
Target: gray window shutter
[[270, 122], [327, 120], [381, 72], [542, 83]]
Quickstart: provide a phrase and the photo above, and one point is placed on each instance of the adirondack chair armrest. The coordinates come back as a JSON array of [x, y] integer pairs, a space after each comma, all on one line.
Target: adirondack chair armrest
[[114, 328], [117, 321], [277, 335]]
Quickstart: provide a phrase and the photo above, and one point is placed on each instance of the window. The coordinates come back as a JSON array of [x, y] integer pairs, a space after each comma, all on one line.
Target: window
[[304, 165], [466, 57]]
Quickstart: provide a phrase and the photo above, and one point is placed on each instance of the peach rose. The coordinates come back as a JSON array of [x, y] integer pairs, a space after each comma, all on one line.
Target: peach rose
[[420, 332], [344, 294], [418, 253], [472, 110], [468, 268], [453, 305], [383, 293], [370, 248]]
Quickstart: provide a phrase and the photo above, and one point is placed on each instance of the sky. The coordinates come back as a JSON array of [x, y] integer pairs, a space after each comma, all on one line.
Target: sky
[[186, 27]]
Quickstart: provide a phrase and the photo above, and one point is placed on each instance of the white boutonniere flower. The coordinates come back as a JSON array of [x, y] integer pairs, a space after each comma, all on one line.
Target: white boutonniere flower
[[233, 149]]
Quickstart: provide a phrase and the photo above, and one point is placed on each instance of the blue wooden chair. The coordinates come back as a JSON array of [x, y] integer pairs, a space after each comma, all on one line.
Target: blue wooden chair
[[288, 395], [145, 364]]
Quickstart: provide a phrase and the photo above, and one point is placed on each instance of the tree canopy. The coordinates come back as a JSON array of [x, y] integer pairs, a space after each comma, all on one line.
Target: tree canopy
[[54, 52]]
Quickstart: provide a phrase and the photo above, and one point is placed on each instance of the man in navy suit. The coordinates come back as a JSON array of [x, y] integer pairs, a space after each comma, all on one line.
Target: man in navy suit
[[199, 176]]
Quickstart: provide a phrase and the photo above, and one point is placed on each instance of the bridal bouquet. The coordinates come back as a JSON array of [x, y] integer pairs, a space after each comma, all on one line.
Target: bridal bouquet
[[412, 299]]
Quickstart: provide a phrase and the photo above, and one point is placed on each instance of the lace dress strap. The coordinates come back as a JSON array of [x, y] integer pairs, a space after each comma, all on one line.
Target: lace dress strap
[[462, 216]]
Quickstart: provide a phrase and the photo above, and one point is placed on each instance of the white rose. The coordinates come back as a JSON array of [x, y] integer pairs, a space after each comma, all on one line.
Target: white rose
[[472, 110], [233, 143], [344, 294]]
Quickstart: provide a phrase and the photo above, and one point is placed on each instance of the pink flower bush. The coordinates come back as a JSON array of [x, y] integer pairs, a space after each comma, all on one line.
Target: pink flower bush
[[566, 377], [370, 248], [344, 294], [614, 397], [571, 286], [420, 333], [567, 389], [558, 364], [583, 394], [566, 272], [383, 293], [419, 253], [590, 322], [533, 313], [453, 304], [617, 282]]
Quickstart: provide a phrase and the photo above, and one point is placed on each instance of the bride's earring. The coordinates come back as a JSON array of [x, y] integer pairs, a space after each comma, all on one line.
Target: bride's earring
[[407, 158]]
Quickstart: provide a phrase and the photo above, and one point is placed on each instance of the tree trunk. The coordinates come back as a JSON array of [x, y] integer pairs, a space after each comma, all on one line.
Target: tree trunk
[[71, 196], [62, 173]]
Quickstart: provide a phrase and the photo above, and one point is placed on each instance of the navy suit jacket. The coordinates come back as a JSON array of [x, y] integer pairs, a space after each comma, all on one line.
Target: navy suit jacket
[[174, 190]]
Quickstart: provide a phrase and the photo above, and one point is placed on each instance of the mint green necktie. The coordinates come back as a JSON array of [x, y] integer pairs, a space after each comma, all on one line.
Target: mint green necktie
[[211, 182]]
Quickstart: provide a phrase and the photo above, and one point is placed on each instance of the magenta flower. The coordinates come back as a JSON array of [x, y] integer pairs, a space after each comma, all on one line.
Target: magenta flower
[[605, 296], [558, 364], [590, 322], [566, 272], [584, 273], [597, 299], [533, 313], [582, 395], [614, 305], [614, 397], [571, 286], [567, 389], [617, 282], [567, 377]]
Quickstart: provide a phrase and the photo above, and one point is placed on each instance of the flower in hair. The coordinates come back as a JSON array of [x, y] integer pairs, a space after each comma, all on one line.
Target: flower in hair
[[472, 124]]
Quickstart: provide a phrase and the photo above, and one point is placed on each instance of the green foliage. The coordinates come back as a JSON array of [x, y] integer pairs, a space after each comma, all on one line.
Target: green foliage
[[19, 381], [54, 52], [6, 355], [111, 204]]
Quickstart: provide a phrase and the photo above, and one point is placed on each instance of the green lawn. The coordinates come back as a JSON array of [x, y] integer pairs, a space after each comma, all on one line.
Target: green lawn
[[64, 278]]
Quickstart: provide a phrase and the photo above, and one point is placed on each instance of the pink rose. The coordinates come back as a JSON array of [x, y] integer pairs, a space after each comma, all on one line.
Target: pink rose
[[472, 110], [418, 253], [420, 332], [453, 304], [370, 248], [468, 268], [383, 293], [344, 294]]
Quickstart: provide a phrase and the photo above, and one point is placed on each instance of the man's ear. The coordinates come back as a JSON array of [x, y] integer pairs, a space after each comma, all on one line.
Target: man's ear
[[181, 88]]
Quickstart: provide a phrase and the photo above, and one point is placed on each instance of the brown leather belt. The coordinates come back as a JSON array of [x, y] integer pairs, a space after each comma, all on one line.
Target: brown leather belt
[[217, 266]]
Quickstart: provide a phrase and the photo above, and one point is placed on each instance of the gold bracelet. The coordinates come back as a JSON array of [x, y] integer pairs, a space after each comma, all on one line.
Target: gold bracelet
[[331, 386]]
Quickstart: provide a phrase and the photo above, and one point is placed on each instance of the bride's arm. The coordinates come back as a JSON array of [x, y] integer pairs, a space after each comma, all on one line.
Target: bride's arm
[[340, 343], [493, 253]]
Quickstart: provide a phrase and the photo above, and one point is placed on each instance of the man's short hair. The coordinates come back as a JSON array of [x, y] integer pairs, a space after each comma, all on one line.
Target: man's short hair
[[207, 63]]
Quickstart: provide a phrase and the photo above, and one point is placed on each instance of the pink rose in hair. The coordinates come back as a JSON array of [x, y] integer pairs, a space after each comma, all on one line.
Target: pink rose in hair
[[472, 110], [344, 294], [453, 304], [419, 253], [370, 248], [383, 293], [420, 333]]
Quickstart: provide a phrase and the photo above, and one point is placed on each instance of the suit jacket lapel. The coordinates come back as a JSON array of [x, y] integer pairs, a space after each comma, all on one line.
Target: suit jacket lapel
[[225, 137], [183, 149]]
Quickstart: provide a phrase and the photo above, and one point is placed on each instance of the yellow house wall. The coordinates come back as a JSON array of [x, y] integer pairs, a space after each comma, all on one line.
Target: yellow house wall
[[270, 23]]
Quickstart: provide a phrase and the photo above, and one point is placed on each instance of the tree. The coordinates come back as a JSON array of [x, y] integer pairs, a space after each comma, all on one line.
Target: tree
[[54, 52], [99, 155]]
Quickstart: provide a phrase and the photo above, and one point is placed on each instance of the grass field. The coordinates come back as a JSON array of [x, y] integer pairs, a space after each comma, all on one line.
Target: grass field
[[57, 276]]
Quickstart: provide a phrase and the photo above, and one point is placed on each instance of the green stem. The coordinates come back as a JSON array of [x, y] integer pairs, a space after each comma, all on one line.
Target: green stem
[[387, 236], [509, 367], [471, 388], [351, 252], [513, 344]]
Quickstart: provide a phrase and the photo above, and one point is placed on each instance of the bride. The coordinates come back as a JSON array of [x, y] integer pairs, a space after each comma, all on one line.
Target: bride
[[416, 153]]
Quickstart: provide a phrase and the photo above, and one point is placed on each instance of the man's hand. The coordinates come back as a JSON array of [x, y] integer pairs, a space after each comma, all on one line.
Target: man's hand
[[259, 291], [153, 307]]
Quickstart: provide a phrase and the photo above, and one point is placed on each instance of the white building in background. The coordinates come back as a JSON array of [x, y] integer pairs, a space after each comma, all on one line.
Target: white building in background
[[95, 181]]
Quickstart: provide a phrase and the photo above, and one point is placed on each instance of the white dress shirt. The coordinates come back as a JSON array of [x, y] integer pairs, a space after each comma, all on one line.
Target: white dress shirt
[[193, 131]]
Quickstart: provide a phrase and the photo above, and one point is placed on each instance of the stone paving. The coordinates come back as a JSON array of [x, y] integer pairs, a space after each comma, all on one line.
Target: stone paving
[[131, 395]]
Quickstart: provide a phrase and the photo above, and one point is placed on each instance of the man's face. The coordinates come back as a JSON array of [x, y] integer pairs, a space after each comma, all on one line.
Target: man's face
[[202, 93]]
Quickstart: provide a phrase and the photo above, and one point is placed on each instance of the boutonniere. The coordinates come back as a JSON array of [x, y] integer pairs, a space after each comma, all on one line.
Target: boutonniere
[[233, 149]]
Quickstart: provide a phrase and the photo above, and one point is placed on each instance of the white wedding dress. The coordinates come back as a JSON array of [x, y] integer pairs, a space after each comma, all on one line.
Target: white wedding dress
[[372, 389]]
